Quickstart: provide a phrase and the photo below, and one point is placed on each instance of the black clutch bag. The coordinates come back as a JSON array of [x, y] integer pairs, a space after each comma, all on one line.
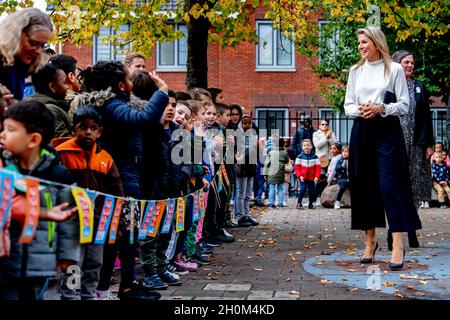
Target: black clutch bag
[[389, 97]]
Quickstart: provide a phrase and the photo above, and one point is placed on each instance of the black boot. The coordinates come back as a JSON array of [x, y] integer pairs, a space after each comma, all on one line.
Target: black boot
[[413, 241], [389, 240]]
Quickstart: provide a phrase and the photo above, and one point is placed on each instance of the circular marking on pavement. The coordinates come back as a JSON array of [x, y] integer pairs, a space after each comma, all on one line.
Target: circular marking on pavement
[[425, 275]]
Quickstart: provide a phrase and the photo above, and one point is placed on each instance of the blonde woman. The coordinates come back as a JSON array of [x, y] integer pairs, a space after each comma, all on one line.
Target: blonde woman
[[377, 94], [23, 36]]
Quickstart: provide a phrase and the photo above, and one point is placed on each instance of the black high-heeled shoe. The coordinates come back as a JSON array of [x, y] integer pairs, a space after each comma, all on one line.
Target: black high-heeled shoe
[[372, 258], [397, 266]]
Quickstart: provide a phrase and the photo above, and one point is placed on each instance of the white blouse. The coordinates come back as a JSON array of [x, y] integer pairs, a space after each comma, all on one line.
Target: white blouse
[[367, 84]]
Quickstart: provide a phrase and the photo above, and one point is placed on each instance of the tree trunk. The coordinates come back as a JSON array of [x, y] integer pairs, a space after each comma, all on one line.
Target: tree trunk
[[197, 56]]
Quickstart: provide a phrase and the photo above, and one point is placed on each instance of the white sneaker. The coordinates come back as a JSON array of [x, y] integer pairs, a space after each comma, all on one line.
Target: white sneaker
[[426, 205], [105, 295], [422, 204], [337, 205]]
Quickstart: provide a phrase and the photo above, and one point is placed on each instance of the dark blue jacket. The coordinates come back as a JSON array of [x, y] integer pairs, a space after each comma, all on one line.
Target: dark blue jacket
[[439, 172], [157, 165], [342, 169], [13, 78], [299, 136], [122, 126]]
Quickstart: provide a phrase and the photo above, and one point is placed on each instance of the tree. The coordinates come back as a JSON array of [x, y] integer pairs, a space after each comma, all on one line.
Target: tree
[[421, 26]]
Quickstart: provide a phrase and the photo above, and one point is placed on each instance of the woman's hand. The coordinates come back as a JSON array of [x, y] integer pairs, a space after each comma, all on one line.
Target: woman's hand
[[370, 110], [6, 96], [159, 82]]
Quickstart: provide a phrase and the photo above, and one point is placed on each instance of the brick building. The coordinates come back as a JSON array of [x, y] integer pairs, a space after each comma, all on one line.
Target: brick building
[[273, 82]]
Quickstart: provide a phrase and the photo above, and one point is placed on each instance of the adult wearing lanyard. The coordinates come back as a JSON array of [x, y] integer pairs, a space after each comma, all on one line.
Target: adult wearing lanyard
[[23, 36]]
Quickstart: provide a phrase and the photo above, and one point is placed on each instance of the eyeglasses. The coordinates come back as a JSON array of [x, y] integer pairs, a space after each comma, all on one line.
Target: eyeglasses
[[324, 124], [35, 43]]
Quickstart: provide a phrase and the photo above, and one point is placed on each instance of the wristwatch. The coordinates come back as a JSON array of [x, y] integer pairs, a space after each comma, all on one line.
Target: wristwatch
[[383, 112]]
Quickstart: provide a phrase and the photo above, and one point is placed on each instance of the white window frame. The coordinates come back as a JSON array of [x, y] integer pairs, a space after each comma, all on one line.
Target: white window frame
[[112, 54], [176, 67], [435, 120], [274, 67], [332, 42], [284, 134]]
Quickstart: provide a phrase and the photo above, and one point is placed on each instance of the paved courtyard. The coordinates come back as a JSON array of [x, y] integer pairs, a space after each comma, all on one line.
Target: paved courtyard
[[313, 254]]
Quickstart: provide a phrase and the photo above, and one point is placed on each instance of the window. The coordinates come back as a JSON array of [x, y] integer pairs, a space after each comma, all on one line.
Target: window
[[274, 51], [438, 117], [328, 41], [173, 55], [273, 118], [107, 52]]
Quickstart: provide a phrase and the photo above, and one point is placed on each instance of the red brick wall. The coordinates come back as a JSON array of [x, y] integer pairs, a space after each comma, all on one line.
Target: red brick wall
[[233, 70]]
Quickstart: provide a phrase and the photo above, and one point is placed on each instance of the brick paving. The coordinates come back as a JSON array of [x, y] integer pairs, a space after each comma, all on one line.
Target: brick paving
[[270, 261], [266, 262]]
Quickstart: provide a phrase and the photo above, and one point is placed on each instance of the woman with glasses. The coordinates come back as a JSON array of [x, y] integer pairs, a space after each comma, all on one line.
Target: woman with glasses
[[235, 116], [322, 140], [23, 36]]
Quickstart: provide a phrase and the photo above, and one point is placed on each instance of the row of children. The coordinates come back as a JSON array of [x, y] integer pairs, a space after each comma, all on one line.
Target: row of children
[[307, 170], [114, 134]]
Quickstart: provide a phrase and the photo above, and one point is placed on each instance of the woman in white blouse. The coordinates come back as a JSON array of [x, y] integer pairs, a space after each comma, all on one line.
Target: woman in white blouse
[[377, 94]]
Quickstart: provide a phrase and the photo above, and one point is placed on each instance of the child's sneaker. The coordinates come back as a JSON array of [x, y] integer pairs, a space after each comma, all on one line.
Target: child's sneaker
[[443, 206], [422, 204], [337, 205], [181, 263], [426, 205], [117, 264], [174, 269]]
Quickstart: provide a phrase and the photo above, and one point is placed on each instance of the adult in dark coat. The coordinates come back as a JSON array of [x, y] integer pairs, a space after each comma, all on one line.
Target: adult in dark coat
[[417, 130], [305, 132]]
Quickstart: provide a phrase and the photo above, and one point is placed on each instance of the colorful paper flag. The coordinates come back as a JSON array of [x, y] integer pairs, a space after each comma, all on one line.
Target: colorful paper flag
[[105, 220], [169, 216], [196, 206], [115, 221], [179, 226], [155, 219], [85, 213], [6, 195], [151, 206], [32, 211], [133, 205], [170, 252]]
